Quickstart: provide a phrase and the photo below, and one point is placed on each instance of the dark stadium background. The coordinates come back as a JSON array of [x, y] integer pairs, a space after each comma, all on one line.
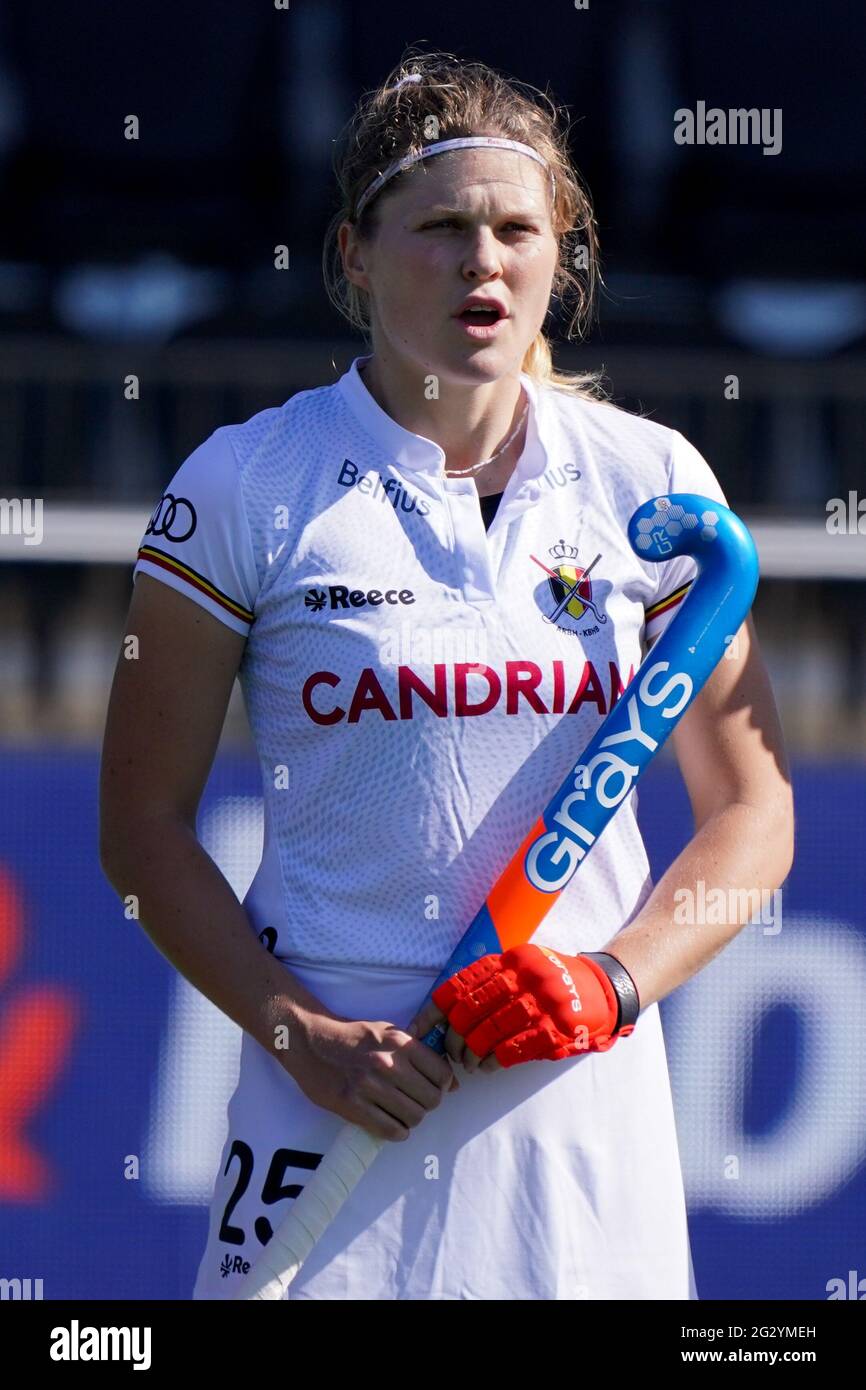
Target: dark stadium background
[[154, 258]]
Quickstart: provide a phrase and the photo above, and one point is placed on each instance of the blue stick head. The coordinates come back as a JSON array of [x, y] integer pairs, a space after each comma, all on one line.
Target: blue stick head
[[685, 523]]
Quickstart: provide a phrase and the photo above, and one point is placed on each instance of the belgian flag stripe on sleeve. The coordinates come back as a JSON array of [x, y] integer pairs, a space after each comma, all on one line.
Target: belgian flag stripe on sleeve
[[198, 581], [663, 605]]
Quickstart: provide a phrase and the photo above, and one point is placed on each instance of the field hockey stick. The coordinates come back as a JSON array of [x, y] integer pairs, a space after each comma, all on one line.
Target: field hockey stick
[[655, 699]]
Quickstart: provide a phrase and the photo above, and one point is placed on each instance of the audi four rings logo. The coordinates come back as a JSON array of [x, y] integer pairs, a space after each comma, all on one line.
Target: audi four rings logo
[[174, 518]]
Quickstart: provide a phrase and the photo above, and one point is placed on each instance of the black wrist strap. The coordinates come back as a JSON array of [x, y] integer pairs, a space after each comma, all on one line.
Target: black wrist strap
[[624, 988]]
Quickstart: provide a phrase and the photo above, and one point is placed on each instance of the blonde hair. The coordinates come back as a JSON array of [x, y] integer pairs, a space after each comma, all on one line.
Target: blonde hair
[[457, 98]]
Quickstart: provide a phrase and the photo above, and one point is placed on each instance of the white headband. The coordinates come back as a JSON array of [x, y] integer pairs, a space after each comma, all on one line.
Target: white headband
[[464, 143]]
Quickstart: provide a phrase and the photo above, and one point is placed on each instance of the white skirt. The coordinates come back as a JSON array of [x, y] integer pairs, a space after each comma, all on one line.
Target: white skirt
[[549, 1180]]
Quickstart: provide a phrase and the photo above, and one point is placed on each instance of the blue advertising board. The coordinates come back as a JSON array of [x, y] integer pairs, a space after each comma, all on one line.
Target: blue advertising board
[[114, 1072]]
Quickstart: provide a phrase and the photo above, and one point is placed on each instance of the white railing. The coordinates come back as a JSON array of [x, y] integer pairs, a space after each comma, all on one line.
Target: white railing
[[787, 548]]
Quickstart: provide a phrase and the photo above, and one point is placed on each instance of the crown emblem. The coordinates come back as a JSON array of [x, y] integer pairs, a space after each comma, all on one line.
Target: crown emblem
[[561, 551]]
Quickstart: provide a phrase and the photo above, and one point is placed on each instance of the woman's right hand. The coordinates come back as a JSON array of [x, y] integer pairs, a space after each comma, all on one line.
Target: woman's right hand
[[372, 1074]]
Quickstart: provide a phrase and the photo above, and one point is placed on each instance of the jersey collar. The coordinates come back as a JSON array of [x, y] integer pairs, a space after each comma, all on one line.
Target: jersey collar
[[413, 450]]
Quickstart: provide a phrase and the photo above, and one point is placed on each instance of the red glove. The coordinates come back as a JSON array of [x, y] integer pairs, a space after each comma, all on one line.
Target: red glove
[[531, 1004]]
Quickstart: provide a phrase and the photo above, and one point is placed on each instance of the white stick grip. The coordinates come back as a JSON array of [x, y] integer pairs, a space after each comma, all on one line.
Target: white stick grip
[[338, 1174]]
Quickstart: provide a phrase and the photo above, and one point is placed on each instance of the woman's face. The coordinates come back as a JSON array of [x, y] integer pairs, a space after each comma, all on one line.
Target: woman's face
[[470, 222]]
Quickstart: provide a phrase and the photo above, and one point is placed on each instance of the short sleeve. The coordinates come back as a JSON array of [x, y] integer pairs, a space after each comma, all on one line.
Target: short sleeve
[[198, 539], [690, 472]]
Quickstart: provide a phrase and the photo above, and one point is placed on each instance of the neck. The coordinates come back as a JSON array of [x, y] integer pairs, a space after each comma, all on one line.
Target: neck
[[470, 424], [493, 477]]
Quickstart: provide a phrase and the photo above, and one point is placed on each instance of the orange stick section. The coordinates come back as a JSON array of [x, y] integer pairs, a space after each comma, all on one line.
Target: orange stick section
[[515, 906]]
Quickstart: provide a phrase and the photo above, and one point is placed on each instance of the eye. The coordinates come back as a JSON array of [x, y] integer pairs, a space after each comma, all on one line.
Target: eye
[[452, 222]]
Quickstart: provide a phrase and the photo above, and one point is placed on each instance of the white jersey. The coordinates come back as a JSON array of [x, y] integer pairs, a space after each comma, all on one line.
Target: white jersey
[[414, 708]]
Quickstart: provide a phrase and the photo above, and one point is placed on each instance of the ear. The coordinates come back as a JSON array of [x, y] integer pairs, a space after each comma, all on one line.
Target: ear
[[353, 258]]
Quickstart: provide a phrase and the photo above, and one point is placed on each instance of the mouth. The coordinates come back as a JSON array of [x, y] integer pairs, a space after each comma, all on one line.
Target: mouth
[[485, 317], [482, 319], [482, 312]]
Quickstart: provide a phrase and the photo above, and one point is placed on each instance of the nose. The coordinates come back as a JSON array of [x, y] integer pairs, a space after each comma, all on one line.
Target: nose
[[482, 258]]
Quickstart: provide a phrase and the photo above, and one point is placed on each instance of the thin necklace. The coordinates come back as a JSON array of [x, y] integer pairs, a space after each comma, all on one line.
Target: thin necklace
[[461, 472]]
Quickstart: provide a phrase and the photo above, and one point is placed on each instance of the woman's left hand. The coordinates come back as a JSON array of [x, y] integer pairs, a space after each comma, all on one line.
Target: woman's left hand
[[527, 1004]]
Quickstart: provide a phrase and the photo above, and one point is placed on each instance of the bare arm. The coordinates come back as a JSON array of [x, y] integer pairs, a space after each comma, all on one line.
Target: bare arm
[[167, 707], [731, 753]]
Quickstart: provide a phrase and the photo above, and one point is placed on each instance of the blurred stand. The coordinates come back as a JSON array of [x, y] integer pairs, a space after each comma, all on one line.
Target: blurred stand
[[140, 307]]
